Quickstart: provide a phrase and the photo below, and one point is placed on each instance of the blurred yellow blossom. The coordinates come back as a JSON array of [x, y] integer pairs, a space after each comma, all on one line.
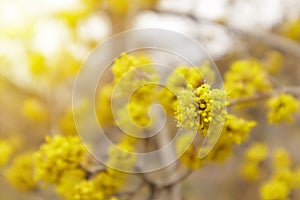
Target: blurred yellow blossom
[[6, 151], [57, 156], [274, 190], [35, 110], [281, 108], [21, 172]]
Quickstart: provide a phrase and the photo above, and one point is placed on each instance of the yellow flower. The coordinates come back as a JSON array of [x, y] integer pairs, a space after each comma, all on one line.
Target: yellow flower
[[284, 175], [292, 29], [281, 159], [37, 63], [257, 152], [126, 63], [274, 190], [86, 190], [186, 109], [245, 78], [254, 155], [35, 110], [296, 179], [237, 129], [21, 172], [250, 171], [281, 108], [5, 152], [59, 155], [109, 182], [196, 108], [168, 100], [182, 78], [68, 181]]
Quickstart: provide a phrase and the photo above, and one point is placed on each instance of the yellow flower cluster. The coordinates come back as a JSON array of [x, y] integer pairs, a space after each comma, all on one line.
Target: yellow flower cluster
[[76, 185], [109, 182], [101, 186], [194, 76], [245, 78], [281, 108], [183, 77], [34, 110], [69, 180], [283, 179], [86, 190], [41, 67], [186, 109], [37, 63], [275, 190], [254, 156], [21, 172], [235, 131], [125, 63], [196, 107], [133, 72], [292, 29], [138, 116], [5, 152], [57, 156]]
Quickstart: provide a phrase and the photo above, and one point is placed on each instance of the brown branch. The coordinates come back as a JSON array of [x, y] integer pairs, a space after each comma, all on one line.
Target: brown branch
[[155, 188], [175, 181], [130, 194], [293, 90], [273, 40]]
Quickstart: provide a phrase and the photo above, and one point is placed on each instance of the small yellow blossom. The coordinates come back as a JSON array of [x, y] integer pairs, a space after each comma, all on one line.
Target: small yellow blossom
[[68, 181], [35, 110], [5, 152], [257, 152], [292, 29], [274, 190], [281, 159], [245, 78], [281, 108], [21, 172], [254, 156], [58, 155]]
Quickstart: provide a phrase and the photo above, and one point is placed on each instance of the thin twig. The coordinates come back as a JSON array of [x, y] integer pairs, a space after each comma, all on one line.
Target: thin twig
[[293, 90]]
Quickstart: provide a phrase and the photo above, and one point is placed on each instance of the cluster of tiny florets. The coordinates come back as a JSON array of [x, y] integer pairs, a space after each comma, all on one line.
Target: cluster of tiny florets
[[57, 156], [281, 108]]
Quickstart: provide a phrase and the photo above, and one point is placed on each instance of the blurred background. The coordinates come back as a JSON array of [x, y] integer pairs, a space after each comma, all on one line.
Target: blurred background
[[44, 42]]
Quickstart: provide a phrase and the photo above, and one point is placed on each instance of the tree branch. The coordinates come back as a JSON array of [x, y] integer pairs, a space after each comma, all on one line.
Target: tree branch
[[293, 90], [176, 181], [273, 40]]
